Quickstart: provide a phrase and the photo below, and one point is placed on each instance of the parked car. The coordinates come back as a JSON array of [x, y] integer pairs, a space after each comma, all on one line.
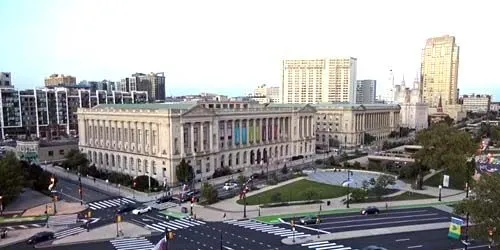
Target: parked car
[[41, 236], [125, 208], [308, 220], [163, 199], [370, 210], [187, 196], [142, 210], [229, 185]]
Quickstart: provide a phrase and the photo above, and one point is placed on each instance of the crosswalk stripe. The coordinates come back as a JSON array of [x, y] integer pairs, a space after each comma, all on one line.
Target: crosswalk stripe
[[69, 232], [107, 204], [132, 244], [324, 245], [177, 224], [194, 222], [313, 243], [304, 235], [127, 200], [170, 226], [338, 247], [36, 225]]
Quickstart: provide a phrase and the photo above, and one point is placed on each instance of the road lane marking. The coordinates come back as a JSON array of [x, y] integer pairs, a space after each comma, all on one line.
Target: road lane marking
[[388, 222], [418, 246], [308, 228], [228, 248], [399, 240], [380, 218]]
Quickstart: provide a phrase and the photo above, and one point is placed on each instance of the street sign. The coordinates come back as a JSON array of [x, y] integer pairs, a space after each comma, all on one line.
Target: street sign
[[455, 228], [446, 180]]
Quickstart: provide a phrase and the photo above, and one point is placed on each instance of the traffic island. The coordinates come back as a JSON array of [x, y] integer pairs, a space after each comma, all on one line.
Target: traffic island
[[104, 233], [364, 233]]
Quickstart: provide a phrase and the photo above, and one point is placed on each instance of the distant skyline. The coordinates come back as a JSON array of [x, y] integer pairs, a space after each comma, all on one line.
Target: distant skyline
[[230, 47]]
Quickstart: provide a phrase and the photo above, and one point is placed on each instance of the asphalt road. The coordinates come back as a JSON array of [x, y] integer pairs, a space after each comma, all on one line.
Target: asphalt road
[[69, 191], [391, 218], [422, 240]]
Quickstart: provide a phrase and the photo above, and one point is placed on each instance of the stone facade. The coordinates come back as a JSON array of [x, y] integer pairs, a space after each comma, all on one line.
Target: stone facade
[[151, 139]]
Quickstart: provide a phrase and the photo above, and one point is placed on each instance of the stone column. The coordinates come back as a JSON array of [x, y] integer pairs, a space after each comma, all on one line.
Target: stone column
[[226, 138], [191, 127], [202, 136], [271, 129], [248, 132], [240, 135], [181, 139], [210, 136], [151, 138]]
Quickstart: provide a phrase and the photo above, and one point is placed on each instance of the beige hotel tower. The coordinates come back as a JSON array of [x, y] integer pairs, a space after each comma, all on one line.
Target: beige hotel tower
[[439, 71], [318, 80]]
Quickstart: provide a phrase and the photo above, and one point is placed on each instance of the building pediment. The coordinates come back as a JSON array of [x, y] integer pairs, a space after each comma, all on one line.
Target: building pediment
[[307, 109], [197, 111]]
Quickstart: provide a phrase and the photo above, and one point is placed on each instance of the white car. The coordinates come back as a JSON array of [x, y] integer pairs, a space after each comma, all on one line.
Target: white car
[[229, 186], [142, 210]]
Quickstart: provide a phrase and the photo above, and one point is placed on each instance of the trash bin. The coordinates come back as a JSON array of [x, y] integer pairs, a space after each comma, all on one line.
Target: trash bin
[[328, 203], [184, 210]]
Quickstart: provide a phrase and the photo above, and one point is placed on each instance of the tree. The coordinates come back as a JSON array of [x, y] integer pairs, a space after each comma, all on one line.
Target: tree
[[483, 208], [209, 193], [76, 160], [379, 185], [142, 183], [241, 180], [369, 139], [184, 172], [443, 147], [358, 195], [284, 170], [356, 165], [11, 178], [331, 161]]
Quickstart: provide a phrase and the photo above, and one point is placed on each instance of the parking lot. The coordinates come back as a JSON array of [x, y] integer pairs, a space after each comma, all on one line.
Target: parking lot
[[390, 218]]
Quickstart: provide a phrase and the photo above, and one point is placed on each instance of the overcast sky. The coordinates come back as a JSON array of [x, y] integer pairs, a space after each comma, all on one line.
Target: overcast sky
[[231, 46]]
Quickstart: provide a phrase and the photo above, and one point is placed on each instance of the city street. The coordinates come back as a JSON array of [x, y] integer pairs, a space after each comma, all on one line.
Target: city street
[[391, 218], [422, 240], [68, 190]]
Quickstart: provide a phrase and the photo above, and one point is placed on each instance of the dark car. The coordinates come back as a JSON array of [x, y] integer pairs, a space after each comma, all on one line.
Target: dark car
[[370, 210], [308, 220], [41, 236], [125, 208], [189, 195], [163, 199]]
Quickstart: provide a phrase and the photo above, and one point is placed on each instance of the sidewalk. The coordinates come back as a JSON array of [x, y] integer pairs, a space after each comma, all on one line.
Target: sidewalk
[[113, 189], [62, 207], [104, 233]]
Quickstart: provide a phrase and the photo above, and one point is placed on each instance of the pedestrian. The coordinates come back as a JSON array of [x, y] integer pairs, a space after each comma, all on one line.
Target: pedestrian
[[224, 216]]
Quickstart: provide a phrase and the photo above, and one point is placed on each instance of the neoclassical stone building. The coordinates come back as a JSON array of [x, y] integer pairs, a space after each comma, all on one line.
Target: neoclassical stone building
[[151, 139], [347, 123]]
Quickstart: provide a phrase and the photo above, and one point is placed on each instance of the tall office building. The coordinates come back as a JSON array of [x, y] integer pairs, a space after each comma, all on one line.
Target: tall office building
[[439, 71], [152, 83], [157, 81], [318, 81], [366, 91], [56, 80]]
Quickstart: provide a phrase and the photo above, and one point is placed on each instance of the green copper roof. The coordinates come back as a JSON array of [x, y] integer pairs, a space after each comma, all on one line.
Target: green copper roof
[[174, 105]]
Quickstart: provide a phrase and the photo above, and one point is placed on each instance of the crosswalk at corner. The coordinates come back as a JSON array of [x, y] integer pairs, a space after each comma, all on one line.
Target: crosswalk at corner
[[174, 224], [69, 232], [96, 205], [25, 226], [132, 244], [325, 245]]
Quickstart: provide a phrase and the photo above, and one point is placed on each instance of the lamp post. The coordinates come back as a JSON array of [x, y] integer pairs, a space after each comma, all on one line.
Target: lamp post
[[348, 184], [467, 188], [1, 205], [80, 188], [440, 188], [119, 194], [466, 243]]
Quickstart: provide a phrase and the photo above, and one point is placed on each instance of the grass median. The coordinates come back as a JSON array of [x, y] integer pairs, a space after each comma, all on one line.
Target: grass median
[[12, 219], [301, 190]]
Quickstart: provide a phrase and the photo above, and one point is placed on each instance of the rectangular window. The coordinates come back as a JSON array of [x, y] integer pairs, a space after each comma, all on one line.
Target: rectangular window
[[61, 152], [51, 153]]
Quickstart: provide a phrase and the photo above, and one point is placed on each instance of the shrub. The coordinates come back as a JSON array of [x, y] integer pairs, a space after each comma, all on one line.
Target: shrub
[[143, 183]]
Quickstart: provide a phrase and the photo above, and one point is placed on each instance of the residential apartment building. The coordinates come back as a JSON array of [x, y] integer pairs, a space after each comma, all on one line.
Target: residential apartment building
[[366, 91], [51, 112], [347, 124], [495, 106], [270, 92], [151, 139], [319, 81], [6, 80], [439, 69], [59, 80], [476, 103], [152, 83]]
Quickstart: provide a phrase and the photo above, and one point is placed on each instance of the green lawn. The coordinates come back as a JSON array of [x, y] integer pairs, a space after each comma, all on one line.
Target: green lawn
[[11, 219], [297, 191]]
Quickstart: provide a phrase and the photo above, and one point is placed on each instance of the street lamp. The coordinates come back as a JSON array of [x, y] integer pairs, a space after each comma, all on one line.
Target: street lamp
[[119, 194], [466, 240], [80, 188], [1, 205], [440, 188]]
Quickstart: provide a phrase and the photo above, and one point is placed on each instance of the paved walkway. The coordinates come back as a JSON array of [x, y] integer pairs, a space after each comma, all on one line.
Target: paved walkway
[[62, 207], [105, 232]]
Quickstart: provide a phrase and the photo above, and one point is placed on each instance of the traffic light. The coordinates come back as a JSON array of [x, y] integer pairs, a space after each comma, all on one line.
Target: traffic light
[[192, 199], [293, 223], [52, 183], [134, 184], [318, 220], [171, 235]]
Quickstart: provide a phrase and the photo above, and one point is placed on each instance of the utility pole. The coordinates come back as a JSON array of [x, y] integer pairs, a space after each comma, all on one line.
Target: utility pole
[[80, 188], [466, 231]]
